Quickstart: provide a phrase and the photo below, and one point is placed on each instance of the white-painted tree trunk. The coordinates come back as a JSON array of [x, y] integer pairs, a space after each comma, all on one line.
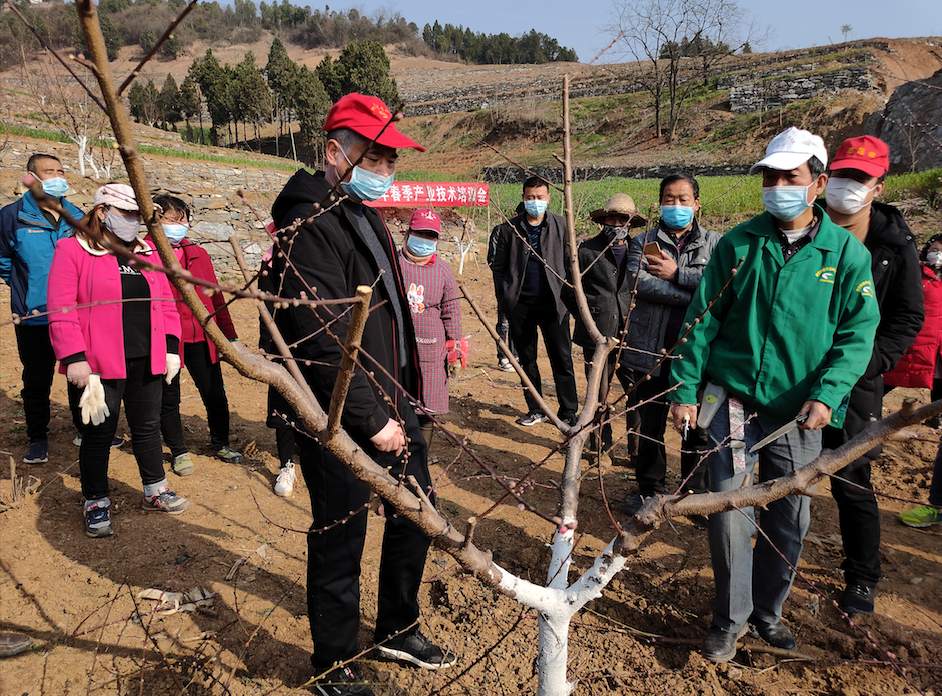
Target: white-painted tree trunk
[[81, 142]]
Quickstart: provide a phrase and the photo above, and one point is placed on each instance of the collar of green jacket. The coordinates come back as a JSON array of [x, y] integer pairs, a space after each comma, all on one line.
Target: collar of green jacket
[[776, 333]]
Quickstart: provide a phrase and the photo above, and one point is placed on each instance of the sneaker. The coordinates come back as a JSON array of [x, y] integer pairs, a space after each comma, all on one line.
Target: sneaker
[[182, 464], [532, 419], [98, 519], [504, 365], [165, 501], [857, 598], [284, 485], [343, 681], [418, 650], [921, 516], [116, 442], [229, 455], [37, 452]]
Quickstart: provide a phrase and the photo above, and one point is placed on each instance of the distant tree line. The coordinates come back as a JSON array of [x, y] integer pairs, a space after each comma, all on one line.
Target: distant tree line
[[246, 95], [141, 22], [475, 47]]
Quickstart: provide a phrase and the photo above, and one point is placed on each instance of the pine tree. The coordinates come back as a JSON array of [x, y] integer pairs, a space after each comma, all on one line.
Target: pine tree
[[169, 102]]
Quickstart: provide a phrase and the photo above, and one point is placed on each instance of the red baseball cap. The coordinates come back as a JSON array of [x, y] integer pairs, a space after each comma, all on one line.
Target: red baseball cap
[[867, 153], [368, 116], [426, 220]]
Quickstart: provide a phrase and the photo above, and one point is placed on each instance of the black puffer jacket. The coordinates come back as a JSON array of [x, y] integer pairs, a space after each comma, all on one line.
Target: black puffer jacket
[[898, 286], [330, 255]]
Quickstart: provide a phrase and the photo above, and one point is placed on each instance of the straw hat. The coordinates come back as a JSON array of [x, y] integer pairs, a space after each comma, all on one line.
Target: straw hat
[[619, 204]]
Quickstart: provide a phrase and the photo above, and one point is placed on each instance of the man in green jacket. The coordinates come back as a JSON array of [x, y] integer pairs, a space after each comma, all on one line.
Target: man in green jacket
[[787, 334]]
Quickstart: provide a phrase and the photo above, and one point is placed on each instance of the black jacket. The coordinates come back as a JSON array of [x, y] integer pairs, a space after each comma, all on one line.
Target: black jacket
[[657, 298], [508, 255], [329, 255], [897, 281], [607, 290]]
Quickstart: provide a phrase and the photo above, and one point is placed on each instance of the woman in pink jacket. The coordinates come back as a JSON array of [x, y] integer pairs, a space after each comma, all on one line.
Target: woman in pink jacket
[[199, 353], [116, 333]]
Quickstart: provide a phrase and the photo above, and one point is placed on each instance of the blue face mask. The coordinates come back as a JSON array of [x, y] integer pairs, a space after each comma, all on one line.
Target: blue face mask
[[786, 202], [421, 247], [175, 232], [365, 185], [535, 207], [55, 187], [676, 217]]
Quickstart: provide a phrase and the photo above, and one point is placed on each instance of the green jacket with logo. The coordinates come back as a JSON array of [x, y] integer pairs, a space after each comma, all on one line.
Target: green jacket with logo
[[780, 333]]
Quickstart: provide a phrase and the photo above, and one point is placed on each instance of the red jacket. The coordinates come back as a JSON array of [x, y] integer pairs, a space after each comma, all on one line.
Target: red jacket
[[917, 367], [195, 259]]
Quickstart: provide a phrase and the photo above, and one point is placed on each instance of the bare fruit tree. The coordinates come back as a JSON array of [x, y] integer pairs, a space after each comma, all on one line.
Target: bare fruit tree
[[560, 597]]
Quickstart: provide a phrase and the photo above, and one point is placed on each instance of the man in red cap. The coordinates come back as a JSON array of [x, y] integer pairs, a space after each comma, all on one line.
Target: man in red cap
[[857, 175], [340, 245]]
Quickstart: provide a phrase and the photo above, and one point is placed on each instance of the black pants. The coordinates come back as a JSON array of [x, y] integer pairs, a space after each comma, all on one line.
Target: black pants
[[527, 317], [503, 330], [651, 464], [427, 428], [335, 550], [286, 443], [857, 508], [207, 376], [140, 391], [39, 364], [623, 374]]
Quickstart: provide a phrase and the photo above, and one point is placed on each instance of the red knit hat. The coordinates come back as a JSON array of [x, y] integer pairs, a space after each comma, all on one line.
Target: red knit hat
[[867, 153], [368, 116]]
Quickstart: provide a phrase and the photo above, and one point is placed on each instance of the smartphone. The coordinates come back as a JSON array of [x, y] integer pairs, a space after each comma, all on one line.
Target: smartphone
[[652, 249]]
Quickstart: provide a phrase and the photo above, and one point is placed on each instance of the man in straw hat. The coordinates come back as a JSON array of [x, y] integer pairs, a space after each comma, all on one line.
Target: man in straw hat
[[781, 327], [345, 246], [608, 293]]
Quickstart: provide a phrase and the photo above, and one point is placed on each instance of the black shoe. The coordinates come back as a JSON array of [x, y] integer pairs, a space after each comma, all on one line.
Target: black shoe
[[568, 418], [531, 419], [37, 452], [777, 635], [418, 650], [343, 681], [720, 645], [633, 503], [857, 599]]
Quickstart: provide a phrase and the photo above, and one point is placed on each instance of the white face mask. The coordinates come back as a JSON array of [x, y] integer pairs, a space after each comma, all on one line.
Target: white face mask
[[934, 259], [125, 227], [846, 195]]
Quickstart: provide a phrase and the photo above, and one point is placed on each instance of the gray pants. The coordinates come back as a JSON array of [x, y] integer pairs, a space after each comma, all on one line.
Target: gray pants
[[752, 584]]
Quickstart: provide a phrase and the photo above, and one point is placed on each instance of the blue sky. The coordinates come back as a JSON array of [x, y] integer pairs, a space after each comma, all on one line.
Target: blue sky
[[581, 24]]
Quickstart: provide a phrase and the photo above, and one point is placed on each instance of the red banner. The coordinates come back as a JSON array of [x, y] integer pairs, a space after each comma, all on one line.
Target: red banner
[[434, 194]]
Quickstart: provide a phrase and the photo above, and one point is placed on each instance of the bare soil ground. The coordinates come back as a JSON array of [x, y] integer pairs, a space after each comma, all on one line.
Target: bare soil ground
[[75, 596]]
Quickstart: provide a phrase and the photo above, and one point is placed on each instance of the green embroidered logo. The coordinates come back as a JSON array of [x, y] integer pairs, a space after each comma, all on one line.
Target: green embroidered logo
[[826, 274], [865, 288]]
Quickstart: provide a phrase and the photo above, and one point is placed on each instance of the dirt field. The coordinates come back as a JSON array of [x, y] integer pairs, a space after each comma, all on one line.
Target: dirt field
[[75, 596]]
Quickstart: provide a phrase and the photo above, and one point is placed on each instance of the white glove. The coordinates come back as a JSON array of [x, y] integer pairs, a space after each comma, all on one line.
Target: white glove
[[173, 367], [92, 403]]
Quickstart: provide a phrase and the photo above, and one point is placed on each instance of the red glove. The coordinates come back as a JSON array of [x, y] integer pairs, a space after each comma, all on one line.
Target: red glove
[[456, 351]]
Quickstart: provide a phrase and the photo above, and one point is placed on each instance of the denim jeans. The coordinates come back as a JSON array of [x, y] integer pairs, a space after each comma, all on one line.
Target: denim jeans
[[752, 584]]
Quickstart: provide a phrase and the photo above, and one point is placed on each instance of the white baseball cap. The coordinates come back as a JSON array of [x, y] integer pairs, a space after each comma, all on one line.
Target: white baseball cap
[[117, 195], [790, 149]]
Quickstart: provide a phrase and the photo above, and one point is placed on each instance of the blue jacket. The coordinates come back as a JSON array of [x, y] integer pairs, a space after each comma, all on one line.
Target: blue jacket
[[27, 243]]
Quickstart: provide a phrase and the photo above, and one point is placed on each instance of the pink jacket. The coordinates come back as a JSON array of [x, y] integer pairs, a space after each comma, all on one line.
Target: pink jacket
[[80, 275]]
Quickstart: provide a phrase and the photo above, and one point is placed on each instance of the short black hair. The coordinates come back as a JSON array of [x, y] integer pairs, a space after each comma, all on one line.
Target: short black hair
[[535, 181], [167, 203], [674, 178], [929, 242], [35, 157], [816, 166]]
